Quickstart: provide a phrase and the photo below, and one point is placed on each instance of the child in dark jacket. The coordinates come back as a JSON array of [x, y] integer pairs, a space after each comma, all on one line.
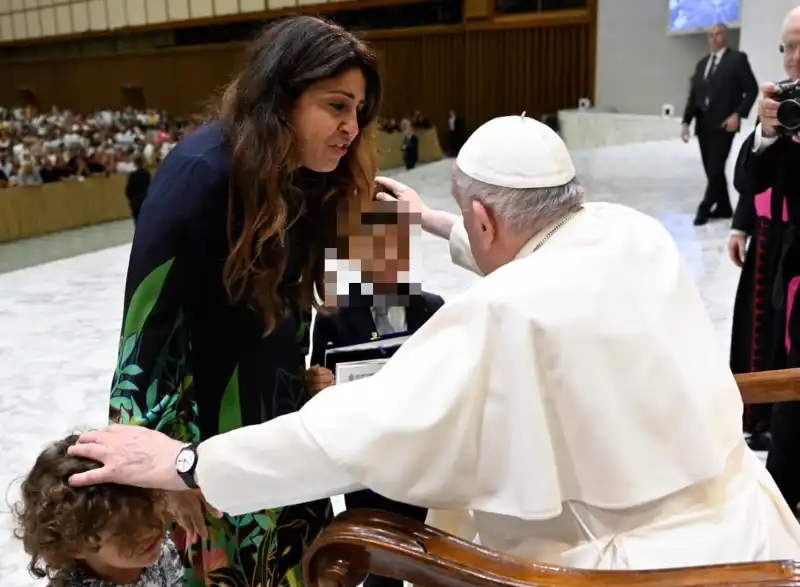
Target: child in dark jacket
[[380, 241]]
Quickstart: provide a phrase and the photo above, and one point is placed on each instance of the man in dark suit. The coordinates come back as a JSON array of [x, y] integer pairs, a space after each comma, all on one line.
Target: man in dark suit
[[381, 244], [137, 186], [410, 145], [722, 91], [771, 161], [455, 133]]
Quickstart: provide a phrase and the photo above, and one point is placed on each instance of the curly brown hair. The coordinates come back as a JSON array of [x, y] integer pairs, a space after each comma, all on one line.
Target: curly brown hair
[[59, 524], [255, 109]]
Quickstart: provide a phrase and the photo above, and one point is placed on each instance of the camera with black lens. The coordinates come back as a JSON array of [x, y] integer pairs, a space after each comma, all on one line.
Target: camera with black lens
[[788, 115]]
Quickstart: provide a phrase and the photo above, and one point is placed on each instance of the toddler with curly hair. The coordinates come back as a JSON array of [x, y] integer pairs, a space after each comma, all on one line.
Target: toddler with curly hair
[[98, 536]]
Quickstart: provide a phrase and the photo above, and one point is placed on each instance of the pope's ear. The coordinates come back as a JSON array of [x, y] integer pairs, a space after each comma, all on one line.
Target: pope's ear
[[484, 220]]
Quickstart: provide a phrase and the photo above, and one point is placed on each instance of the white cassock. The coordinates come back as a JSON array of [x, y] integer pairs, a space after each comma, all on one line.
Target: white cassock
[[572, 408]]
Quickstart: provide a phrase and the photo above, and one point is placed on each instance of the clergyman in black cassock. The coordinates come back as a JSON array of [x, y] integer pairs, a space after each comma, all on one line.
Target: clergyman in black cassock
[[765, 164], [758, 333]]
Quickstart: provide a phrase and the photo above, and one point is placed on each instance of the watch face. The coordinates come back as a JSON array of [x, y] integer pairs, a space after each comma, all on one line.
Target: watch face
[[185, 461]]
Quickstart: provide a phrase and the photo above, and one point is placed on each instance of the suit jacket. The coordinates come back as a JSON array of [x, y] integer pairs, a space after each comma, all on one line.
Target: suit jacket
[[354, 324], [410, 150], [732, 88], [136, 189]]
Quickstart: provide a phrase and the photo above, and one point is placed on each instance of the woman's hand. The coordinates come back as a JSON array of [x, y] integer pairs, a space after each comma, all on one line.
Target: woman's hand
[[188, 509], [318, 378]]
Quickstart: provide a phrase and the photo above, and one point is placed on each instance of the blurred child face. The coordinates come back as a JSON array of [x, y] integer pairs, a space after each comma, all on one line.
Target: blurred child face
[[116, 557], [382, 249]]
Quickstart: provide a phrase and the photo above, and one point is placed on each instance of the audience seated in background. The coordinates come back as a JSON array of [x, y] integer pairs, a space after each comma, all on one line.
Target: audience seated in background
[[416, 122], [37, 148]]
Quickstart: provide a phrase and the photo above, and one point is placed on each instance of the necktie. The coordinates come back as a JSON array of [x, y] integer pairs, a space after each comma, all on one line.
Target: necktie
[[382, 324], [713, 65]]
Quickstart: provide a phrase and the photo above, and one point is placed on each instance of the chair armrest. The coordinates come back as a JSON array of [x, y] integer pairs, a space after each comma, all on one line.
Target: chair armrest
[[365, 541], [766, 387]]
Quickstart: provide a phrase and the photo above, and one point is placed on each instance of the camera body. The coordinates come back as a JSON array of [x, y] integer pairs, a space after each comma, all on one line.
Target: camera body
[[788, 115]]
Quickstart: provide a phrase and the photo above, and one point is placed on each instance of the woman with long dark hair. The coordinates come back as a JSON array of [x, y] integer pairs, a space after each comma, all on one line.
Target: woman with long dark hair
[[226, 260]]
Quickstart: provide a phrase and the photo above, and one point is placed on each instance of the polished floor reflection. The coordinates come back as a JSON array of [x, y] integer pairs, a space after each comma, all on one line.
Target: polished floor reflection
[[60, 319]]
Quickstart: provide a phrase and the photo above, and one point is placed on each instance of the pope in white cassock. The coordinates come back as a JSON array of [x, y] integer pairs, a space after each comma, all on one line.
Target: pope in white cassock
[[568, 408]]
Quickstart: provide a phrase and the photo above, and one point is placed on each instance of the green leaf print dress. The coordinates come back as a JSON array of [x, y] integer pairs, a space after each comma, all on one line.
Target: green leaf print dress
[[191, 364]]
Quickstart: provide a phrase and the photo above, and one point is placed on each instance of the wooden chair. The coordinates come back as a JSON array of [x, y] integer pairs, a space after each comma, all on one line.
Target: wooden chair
[[362, 542], [769, 387]]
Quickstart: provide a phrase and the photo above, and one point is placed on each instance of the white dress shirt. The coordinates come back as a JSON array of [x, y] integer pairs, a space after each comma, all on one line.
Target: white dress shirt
[[714, 58], [389, 320], [760, 142]]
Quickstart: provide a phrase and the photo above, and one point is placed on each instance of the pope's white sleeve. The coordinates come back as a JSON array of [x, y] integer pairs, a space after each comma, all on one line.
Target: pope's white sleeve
[[460, 251], [410, 432], [274, 464]]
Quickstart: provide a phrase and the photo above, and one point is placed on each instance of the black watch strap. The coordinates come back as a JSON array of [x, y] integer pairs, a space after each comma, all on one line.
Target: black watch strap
[[186, 464]]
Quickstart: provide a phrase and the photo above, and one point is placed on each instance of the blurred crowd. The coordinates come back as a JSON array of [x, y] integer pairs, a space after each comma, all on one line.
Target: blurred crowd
[[410, 126], [407, 124], [46, 147]]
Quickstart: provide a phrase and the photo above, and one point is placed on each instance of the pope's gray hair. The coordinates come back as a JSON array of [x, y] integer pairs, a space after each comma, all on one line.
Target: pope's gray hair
[[523, 210]]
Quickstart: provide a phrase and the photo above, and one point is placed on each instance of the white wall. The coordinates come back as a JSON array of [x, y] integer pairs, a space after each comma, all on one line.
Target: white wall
[[761, 34], [640, 67]]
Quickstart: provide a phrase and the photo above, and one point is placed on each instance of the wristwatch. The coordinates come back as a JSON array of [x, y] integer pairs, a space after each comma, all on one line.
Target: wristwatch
[[186, 463]]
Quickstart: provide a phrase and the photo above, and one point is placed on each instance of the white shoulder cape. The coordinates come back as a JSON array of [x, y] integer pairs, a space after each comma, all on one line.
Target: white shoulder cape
[[588, 370]]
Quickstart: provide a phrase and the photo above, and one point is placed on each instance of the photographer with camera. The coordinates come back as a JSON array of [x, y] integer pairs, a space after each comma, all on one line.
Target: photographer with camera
[[768, 179]]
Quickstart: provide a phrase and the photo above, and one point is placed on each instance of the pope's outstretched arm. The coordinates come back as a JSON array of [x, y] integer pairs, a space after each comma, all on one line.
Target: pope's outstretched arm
[[267, 466], [439, 223], [403, 432], [460, 251]]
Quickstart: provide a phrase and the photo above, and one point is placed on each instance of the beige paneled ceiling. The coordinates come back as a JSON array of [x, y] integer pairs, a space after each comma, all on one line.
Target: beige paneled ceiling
[[32, 19]]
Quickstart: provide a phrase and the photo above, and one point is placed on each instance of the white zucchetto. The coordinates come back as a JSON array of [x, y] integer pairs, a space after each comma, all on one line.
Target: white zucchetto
[[516, 152]]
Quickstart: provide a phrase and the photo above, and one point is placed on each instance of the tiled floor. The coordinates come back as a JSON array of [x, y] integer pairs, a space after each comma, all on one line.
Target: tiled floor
[[60, 320], [63, 245]]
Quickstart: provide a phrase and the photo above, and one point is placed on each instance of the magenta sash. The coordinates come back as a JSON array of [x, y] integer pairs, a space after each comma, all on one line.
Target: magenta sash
[[764, 206]]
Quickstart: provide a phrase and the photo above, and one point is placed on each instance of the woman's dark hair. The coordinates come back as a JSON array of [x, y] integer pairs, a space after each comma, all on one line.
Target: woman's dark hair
[[289, 57], [58, 523]]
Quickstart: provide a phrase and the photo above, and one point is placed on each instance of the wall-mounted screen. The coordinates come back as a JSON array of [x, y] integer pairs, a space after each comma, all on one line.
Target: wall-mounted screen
[[694, 16]]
